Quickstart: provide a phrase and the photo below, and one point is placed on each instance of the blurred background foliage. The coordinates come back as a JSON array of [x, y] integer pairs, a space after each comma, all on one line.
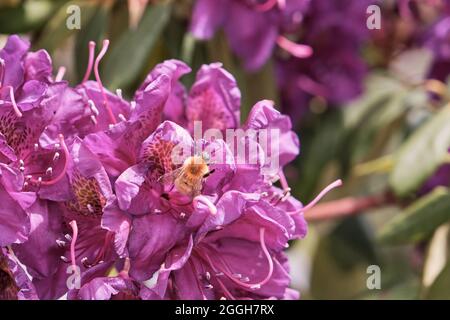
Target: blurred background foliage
[[386, 144]]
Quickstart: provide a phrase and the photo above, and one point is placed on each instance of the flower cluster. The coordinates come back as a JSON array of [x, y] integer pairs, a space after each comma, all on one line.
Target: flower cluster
[[253, 27], [94, 206]]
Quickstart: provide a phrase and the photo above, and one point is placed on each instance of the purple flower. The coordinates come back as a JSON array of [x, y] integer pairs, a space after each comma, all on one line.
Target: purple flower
[[253, 28], [94, 287], [437, 40], [84, 228], [14, 211], [209, 265], [14, 282], [336, 70]]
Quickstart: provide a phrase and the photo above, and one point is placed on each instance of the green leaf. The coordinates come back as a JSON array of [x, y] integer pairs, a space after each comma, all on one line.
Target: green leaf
[[421, 154], [55, 32], [26, 17], [440, 289], [131, 53], [419, 220]]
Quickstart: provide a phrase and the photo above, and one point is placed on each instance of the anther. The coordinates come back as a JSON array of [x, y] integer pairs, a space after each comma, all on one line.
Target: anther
[[36, 147], [90, 208], [132, 105], [93, 107], [60, 243], [119, 93], [49, 171], [208, 276], [122, 117], [63, 258], [56, 157], [94, 120], [68, 237], [209, 286]]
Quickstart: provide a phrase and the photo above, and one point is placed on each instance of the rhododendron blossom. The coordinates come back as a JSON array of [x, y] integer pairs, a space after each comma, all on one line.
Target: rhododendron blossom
[[121, 194]]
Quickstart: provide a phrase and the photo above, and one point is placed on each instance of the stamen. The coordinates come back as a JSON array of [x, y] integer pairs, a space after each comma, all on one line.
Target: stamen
[[49, 171], [126, 268], [297, 50], [97, 77], [119, 93], [90, 208], [93, 108], [94, 120], [204, 200], [2, 71], [63, 258], [68, 237], [252, 286], [56, 157], [13, 102], [132, 105], [328, 188], [36, 147], [60, 243], [60, 74], [74, 227], [90, 62], [266, 6], [122, 117]]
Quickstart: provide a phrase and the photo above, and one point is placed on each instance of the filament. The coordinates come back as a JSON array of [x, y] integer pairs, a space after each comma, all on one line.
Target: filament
[[74, 226], [100, 84], [297, 50], [60, 74], [90, 62]]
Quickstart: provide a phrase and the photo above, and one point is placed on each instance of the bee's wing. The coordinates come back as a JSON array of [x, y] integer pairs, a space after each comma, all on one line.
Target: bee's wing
[[169, 178]]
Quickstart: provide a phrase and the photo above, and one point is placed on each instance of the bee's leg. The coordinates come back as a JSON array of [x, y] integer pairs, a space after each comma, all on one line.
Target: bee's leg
[[209, 173]]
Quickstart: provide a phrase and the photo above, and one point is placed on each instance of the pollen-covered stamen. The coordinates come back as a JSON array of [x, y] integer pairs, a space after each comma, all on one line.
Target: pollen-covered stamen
[[327, 189], [73, 225], [295, 49], [99, 81], [61, 175], [13, 102], [60, 74], [204, 200], [90, 61]]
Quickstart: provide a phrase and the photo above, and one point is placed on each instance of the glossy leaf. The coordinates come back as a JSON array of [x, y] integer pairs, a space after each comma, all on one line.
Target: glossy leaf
[[131, 52], [419, 220], [423, 152]]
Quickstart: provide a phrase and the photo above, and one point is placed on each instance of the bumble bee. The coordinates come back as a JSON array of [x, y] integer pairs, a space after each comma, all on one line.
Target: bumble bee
[[188, 179]]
